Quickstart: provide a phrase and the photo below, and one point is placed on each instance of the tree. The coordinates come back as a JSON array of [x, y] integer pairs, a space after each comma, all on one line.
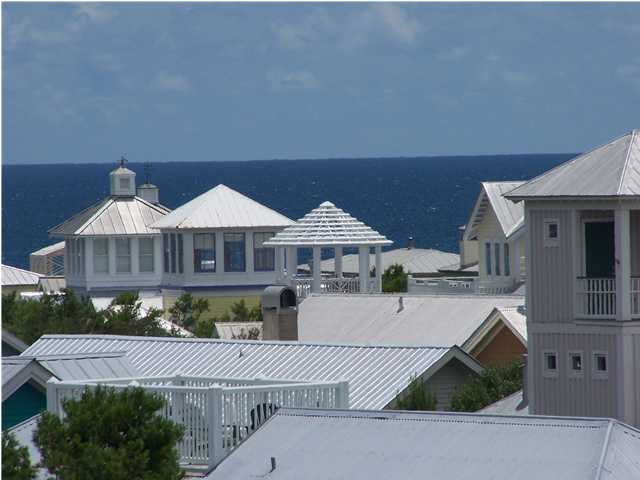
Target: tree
[[252, 333], [493, 384], [394, 279], [417, 397], [186, 310], [16, 464], [110, 435], [125, 316]]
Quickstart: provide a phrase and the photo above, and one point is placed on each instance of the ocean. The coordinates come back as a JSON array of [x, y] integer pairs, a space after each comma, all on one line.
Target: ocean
[[426, 198]]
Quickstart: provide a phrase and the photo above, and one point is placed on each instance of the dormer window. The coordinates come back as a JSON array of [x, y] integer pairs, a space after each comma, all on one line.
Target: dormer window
[[551, 232]]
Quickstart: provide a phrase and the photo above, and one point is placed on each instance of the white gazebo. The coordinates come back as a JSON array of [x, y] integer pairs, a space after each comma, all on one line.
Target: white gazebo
[[328, 227]]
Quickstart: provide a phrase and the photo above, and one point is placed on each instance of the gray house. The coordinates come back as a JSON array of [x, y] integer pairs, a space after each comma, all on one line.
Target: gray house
[[582, 222]]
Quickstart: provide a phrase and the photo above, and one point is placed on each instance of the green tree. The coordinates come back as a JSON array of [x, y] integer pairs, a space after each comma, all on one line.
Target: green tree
[[493, 384], [187, 311], [110, 435], [417, 397], [394, 279], [16, 464], [125, 316], [205, 328], [240, 312]]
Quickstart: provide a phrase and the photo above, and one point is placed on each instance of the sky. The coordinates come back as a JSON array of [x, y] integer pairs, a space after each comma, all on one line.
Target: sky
[[89, 82]]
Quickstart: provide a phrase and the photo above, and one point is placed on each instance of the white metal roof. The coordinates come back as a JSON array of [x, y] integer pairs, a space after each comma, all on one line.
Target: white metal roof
[[234, 330], [116, 215], [612, 170], [223, 207], [313, 444], [510, 215], [414, 260], [23, 433], [57, 247], [13, 276], [52, 284], [516, 319], [328, 225], [375, 374], [511, 405], [444, 320]]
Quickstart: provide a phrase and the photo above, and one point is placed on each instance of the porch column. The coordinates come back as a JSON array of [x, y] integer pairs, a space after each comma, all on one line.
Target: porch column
[[623, 263], [317, 267], [279, 264], [378, 269], [292, 264], [338, 261], [363, 271]]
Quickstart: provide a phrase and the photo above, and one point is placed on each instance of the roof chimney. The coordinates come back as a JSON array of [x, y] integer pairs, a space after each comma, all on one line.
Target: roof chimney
[[411, 243]]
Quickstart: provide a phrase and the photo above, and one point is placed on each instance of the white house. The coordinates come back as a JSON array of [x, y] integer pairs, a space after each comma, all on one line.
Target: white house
[[583, 283]]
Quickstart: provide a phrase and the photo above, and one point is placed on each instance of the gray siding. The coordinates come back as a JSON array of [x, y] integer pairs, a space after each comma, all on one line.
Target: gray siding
[[445, 382], [550, 282], [567, 395], [635, 242]]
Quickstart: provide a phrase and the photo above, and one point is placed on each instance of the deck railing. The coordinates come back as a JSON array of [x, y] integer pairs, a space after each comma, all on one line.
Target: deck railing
[[217, 413], [635, 297], [304, 285], [596, 297]]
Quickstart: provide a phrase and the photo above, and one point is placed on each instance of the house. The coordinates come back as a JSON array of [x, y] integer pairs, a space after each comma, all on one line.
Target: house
[[582, 232], [24, 378], [442, 369], [11, 345], [361, 445], [492, 329], [18, 280]]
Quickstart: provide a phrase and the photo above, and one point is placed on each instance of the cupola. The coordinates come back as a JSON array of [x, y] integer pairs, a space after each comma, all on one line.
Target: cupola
[[148, 191], [123, 181]]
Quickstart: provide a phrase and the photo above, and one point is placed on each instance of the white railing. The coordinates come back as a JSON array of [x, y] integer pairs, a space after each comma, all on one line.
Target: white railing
[[304, 285], [596, 297], [635, 297], [217, 413]]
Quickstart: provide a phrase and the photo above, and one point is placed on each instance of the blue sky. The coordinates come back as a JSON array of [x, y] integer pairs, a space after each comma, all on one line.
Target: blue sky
[[244, 81]]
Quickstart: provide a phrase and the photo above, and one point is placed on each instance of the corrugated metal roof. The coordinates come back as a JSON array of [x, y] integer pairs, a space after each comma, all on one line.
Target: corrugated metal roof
[[375, 374], [223, 207], [13, 276], [612, 170], [510, 215], [90, 365], [56, 247], [511, 405], [52, 284], [113, 216], [235, 330], [414, 260], [314, 444], [328, 225], [443, 320]]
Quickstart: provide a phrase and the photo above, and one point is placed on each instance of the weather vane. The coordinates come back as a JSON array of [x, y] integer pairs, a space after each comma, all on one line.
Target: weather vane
[[147, 172], [122, 160]]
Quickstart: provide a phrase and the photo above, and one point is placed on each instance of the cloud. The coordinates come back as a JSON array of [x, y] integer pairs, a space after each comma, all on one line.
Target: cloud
[[280, 81], [95, 12], [454, 54], [171, 82], [397, 21], [383, 21]]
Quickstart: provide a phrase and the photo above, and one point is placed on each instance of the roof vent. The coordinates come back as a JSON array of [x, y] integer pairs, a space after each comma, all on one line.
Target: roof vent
[[411, 243], [400, 304]]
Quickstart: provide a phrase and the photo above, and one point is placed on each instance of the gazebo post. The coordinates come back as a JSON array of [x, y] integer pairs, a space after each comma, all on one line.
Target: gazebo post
[[292, 264], [280, 276], [338, 261], [378, 269], [363, 271], [317, 268]]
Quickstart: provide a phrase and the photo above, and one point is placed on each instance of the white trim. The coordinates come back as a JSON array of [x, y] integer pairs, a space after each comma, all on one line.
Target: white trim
[[546, 372], [599, 374], [571, 372], [549, 241]]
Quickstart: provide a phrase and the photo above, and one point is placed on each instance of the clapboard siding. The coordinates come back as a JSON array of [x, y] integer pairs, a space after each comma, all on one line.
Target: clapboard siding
[[550, 281], [444, 383], [635, 242]]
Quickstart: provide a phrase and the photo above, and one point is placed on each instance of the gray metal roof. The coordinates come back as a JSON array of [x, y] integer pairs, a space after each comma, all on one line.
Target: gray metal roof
[[443, 320], [328, 225], [375, 374], [57, 247], [612, 170], [511, 405], [361, 445], [223, 207], [414, 260], [52, 284], [90, 365], [16, 371], [23, 433], [510, 215], [113, 216], [13, 276], [234, 330], [12, 366]]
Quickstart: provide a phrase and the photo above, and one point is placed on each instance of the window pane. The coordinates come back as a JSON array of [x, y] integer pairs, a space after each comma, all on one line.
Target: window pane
[[497, 257], [145, 245], [123, 255], [101, 255], [165, 249], [234, 252], [263, 257], [553, 230], [507, 264], [101, 264], [601, 363], [551, 362], [487, 259], [204, 252], [145, 255], [576, 362]]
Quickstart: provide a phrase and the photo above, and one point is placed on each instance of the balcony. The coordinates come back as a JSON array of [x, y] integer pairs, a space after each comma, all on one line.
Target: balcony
[[217, 413], [596, 298], [303, 285]]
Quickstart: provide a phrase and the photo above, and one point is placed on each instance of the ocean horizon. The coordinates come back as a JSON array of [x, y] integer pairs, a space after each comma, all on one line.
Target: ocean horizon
[[426, 198]]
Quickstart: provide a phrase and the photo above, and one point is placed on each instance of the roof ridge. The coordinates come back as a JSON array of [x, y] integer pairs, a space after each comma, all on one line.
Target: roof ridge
[[626, 162], [109, 201], [22, 270]]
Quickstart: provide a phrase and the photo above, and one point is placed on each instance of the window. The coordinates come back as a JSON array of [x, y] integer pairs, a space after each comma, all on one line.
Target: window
[[497, 257], [507, 261], [101, 255], [204, 252], [551, 232], [550, 366], [487, 257], [264, 258], [173, 252], [145, 254], [125, 183], [576, 368], [600, 365], [234, 252], [123, 255]]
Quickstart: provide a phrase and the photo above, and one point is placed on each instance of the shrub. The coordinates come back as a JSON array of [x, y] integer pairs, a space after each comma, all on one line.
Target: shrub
[[417, 397], [493, 384], [16, 464], [394, 279]]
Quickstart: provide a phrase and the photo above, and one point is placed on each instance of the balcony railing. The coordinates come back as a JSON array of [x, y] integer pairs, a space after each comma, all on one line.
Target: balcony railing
[[304, 285], [217, 413], [596, 297]]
